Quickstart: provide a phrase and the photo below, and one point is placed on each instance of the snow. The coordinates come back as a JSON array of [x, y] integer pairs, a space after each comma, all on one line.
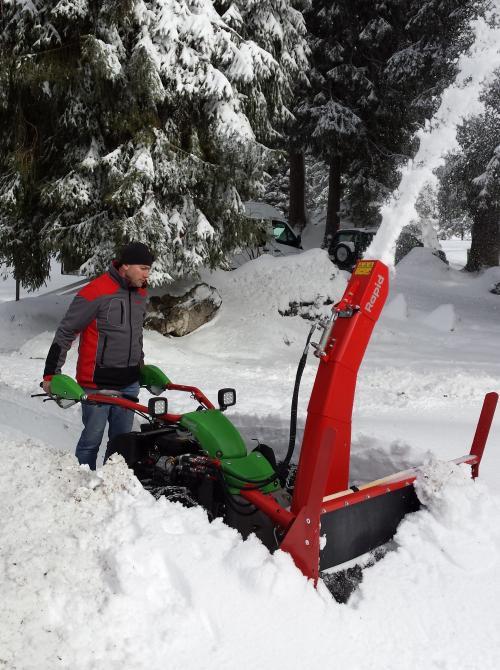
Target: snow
[[442, 318], [456, 251], [56, 281], [397, 308], [143, 163], [262, 210], [96, 573]]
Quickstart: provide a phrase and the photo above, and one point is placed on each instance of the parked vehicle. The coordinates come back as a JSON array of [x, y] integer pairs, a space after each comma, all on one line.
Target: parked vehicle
[[283, 234], [278, 237], [348, 246], [276, 226]]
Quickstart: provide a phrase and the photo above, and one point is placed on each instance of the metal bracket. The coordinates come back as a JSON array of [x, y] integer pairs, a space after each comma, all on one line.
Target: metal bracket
[[327, 324]]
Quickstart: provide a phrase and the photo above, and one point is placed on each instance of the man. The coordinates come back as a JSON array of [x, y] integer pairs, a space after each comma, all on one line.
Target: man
[[108, 313]]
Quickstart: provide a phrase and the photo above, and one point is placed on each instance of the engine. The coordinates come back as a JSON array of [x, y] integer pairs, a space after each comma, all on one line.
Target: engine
[[169, 463]]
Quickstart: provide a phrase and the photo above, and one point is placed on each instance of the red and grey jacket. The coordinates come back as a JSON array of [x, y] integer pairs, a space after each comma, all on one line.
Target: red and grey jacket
[[109, 315]]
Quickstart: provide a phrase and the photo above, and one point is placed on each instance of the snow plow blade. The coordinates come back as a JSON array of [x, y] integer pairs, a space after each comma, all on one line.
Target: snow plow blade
[[356, 521]]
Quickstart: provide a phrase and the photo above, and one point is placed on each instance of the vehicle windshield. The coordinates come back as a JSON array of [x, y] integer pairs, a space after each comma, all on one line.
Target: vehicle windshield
[[345, 237], [282, 233]]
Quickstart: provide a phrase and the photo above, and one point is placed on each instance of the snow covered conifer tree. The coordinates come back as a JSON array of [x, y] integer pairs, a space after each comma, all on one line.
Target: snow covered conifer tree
[[146, 120], [454, 219], [279, 27], [473, 172], [378, 70]]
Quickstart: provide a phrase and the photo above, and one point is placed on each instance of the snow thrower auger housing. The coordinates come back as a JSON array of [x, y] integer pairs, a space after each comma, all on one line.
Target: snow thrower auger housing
[[199, 457]]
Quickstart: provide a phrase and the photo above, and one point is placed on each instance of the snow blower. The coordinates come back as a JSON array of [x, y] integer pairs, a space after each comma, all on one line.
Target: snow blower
[[199, 457]]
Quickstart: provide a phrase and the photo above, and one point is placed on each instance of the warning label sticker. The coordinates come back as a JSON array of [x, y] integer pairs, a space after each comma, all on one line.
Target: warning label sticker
[[364, 267]]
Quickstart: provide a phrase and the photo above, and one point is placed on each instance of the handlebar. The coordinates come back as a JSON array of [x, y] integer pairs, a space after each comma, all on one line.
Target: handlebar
[[68, 391]]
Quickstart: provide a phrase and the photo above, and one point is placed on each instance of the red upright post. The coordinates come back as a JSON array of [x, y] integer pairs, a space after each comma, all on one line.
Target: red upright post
[[340, 351], [302, 538], [483, 429]]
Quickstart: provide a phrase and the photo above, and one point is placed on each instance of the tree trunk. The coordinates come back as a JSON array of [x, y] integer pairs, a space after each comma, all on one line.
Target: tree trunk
[[297, 183], [334, 198], [18, 289], [485, 245]]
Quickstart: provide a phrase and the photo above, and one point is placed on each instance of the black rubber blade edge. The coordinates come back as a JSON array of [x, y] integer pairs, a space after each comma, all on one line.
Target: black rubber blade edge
[[361, 527]]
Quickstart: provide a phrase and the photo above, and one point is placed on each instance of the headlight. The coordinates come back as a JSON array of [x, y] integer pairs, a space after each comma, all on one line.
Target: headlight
[[226, 398], [157, 406]]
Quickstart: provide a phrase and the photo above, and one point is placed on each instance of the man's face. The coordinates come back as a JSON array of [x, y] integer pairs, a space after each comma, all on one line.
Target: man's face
[[137, 275]]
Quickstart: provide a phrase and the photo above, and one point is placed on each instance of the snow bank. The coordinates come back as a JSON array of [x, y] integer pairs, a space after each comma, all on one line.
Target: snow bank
[[272, 284], [396, 308], [27, 318], [99, 574], [443, 318], [449, 553], [96, 573]]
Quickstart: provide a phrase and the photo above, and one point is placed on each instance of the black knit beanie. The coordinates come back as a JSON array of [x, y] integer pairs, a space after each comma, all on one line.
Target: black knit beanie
[[136, 253]]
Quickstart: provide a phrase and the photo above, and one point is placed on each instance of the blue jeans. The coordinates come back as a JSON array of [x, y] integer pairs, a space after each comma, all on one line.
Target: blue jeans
[[94, 419]]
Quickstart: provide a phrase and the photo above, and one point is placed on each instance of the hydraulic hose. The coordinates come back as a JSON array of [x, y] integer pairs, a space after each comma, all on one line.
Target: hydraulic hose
[[284, 465], [282, 470]]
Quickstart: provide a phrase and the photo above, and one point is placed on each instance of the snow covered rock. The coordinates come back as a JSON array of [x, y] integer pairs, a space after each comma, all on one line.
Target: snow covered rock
[[180, 315]]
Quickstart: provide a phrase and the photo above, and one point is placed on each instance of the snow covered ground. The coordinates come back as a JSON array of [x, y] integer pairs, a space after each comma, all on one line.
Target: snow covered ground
[[96, 574], [57, 281]]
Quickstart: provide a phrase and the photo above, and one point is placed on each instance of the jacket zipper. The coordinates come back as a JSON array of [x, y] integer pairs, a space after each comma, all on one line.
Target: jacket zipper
[[104, 349], [121, 312], [130, 326]]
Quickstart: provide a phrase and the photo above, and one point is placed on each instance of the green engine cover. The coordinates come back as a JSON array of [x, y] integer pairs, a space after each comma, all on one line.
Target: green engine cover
[[254, 467], [220, 439], [64, 386], [216, 434]]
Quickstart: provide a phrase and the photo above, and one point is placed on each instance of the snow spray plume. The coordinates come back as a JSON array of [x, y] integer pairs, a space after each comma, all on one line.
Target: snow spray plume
[[459, 100]]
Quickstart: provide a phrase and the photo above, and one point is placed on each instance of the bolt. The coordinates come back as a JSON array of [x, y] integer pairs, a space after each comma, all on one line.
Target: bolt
[[307, 543], [308, 520]]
